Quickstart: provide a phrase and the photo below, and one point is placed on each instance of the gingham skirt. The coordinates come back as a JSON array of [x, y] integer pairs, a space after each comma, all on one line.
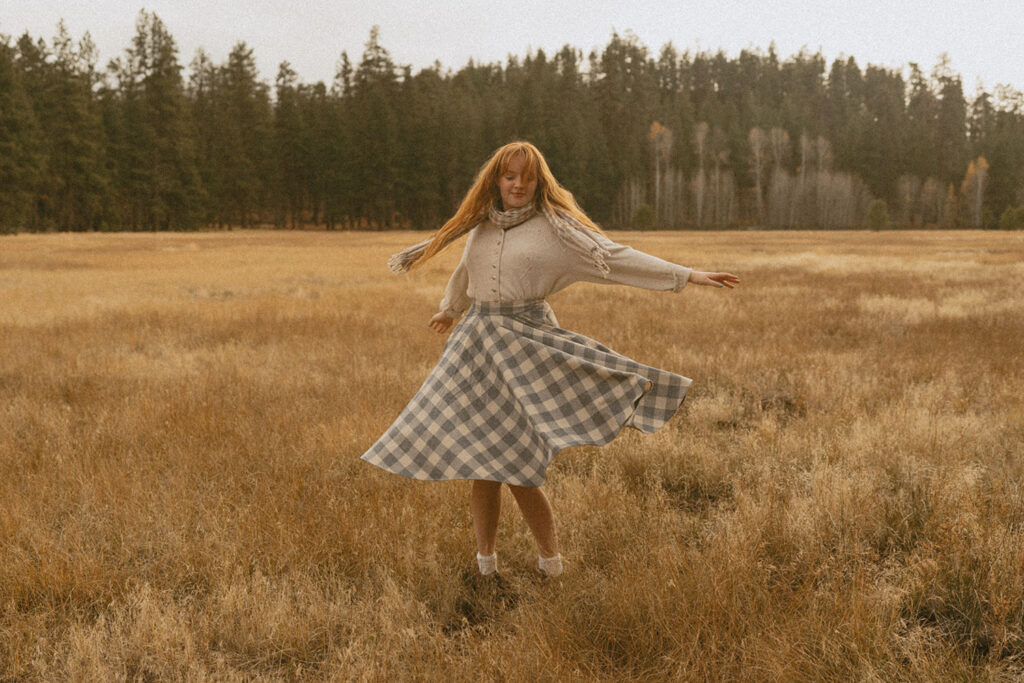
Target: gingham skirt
[[511, 390]]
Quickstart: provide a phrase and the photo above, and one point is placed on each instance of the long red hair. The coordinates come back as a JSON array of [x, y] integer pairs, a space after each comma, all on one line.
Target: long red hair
[[484, 192]]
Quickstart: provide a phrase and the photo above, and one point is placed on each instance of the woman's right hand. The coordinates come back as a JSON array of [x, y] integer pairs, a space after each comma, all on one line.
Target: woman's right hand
[[440, 323]]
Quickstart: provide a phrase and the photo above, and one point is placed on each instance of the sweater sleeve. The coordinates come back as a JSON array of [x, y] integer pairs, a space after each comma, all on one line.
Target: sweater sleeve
[[629, 266], [456, 296]]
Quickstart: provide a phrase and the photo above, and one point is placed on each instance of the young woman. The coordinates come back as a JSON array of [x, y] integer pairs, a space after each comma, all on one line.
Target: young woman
[[512, 388]]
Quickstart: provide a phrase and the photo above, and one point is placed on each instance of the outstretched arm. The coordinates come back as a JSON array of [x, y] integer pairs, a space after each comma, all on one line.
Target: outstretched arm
[[629, 266]]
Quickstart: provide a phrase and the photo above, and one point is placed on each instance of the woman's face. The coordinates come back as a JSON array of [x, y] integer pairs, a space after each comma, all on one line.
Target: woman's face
[[516, 191]]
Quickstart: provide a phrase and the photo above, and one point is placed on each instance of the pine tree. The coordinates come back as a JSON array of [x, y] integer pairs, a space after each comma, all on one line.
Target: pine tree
[[204, 101], [923, 150], [318, 141], [950, 121], [244, 123], [32, 60], [75, 134], [623, 89], [881, 144], [291, 153], [374, 124], [22, 156], [153, 133]]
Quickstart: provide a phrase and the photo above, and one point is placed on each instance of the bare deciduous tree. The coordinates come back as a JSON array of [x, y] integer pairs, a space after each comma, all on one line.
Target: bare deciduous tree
[[758, 164]]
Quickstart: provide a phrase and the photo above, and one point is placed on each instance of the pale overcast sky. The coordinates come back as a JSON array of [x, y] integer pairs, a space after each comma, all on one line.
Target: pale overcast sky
[[983, 38]]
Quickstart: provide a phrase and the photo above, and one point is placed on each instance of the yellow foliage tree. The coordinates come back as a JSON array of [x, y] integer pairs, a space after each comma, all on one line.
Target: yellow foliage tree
[[972, 189]]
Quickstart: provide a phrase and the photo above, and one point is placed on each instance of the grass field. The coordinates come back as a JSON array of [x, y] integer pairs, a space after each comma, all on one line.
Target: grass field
[[181, 495]]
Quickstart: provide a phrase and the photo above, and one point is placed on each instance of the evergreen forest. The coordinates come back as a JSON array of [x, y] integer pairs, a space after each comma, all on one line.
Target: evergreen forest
[[644, 139]]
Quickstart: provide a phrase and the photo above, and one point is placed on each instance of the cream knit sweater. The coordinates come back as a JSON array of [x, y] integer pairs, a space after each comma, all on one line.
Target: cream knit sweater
[[528, 261]]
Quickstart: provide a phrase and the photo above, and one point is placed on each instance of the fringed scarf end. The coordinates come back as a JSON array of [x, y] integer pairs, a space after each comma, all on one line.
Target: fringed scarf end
[[401, 262], [398, 264]]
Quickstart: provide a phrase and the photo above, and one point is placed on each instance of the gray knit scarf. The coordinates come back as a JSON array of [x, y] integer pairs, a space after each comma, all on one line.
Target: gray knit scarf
[[573, 234]]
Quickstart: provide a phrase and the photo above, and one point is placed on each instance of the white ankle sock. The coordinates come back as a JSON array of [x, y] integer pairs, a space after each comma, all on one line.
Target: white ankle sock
[[551, 566], [488, 564]]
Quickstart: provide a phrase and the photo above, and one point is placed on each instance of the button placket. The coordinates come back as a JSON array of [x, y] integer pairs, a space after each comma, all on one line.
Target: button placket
[[495, 269]]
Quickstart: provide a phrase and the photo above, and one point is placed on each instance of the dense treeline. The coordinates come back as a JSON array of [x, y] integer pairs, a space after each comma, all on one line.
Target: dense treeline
[[664, 140]]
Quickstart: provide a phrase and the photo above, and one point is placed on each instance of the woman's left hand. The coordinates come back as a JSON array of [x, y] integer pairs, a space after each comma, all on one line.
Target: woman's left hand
[[699, 277]]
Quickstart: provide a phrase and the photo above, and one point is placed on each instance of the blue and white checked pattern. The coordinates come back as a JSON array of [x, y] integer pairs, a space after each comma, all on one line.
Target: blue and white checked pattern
[[511, 390]]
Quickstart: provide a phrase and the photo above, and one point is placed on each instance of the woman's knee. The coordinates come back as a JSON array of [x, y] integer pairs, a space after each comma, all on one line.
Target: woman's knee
[[487, 488], [517, 490], [527, 493]]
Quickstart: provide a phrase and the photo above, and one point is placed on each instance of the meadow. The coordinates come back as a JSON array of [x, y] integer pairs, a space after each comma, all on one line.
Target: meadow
[[181, 495]]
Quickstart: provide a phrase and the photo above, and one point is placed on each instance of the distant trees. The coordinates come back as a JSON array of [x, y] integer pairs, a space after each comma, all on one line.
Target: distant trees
[[151, 135], [56, 136], [878, 214], [22, 154], [667, 140], [1012, 218]]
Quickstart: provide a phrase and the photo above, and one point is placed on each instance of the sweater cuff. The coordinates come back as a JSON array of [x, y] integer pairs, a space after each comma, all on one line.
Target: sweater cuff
[[453, 313], [682, 276]]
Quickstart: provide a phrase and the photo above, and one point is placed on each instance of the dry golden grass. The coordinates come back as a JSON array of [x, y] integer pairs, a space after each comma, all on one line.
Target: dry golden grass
[[181, 496]]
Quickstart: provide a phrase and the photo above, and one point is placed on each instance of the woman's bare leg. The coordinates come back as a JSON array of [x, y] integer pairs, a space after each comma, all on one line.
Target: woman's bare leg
[[539, 517], [485, 504]]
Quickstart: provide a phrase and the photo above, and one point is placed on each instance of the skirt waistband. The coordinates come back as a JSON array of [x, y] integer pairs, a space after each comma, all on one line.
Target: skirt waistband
[[519, 307]]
